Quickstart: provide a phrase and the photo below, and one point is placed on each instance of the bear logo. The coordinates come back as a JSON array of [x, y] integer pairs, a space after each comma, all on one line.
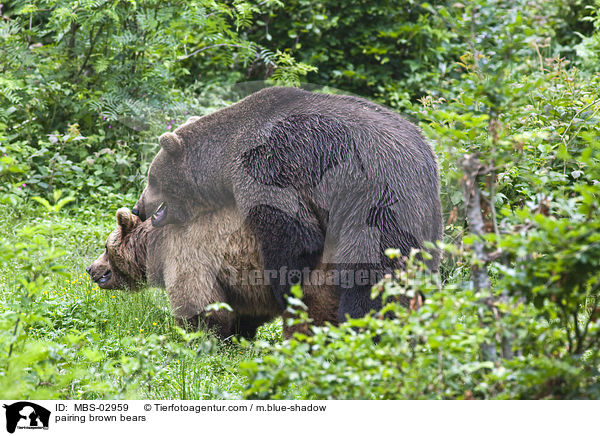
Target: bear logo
[[24, 414]]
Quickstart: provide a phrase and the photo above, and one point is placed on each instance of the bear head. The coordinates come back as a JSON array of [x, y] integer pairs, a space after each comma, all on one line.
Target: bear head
[[168, 195], [123, 263]]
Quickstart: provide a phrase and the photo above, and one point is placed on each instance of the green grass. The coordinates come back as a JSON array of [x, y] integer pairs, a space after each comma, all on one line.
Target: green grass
[[132, 338]]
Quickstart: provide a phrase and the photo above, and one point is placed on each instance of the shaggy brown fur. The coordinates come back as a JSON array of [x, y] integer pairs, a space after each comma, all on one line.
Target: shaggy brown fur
[[215, 259]]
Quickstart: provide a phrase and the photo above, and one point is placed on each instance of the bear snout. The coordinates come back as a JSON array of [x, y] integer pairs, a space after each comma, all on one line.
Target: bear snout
[[100, 274], [159, 217], [104, 278]]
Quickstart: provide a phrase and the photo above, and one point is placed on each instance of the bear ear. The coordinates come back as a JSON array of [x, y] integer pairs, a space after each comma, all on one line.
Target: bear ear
[[171, 143], [125, 220]]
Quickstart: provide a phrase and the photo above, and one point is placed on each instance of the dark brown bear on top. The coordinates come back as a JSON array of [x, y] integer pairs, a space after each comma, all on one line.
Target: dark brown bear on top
[[214, 259], [319, 179]]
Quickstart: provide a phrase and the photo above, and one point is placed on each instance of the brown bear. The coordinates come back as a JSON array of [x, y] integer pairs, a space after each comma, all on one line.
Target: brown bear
[[213, 259], [318, 179]]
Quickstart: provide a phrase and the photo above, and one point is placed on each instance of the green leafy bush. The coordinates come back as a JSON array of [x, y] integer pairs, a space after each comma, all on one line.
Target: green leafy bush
[[87, 87], [435, 352], [397, 51]]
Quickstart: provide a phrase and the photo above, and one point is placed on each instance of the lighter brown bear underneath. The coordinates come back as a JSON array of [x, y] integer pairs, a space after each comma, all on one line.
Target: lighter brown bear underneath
[[214, 259]]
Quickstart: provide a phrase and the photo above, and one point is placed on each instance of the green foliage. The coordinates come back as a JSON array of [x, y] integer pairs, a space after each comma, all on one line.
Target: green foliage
[[396, 51], [87, 86], [431, 353], [29, 367], [373, 48], [543, 174]]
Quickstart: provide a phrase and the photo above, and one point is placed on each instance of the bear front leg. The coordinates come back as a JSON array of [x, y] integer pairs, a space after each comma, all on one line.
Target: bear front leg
[[291, 247], [221, 322], [191, 289]]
